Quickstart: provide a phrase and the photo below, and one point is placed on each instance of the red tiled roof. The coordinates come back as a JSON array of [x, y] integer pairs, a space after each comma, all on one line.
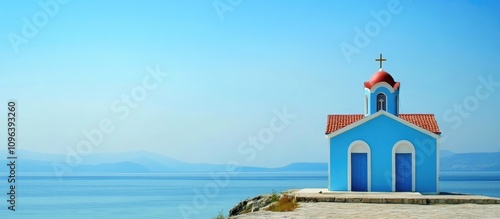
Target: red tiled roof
[[425, 121], [336, 122]]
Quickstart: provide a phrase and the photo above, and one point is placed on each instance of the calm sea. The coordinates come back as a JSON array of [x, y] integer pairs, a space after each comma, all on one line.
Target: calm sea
[[193, 195]]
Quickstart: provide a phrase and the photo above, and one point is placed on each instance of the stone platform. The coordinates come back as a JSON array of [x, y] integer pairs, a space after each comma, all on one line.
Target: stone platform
[[313, 204], [323, 195]]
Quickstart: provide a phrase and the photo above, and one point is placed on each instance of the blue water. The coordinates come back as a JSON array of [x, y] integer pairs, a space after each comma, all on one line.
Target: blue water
[[193, 195]]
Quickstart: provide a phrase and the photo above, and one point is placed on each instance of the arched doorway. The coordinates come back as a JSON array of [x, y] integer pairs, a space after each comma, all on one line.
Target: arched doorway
[[359, 167], [403, 167]]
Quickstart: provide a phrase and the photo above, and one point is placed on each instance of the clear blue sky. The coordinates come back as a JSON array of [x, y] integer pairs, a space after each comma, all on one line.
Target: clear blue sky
[[227, 74]]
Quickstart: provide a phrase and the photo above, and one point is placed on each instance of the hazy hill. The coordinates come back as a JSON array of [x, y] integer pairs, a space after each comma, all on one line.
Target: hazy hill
[[134, 162], [471, 162], [445, 153], [149, 162]]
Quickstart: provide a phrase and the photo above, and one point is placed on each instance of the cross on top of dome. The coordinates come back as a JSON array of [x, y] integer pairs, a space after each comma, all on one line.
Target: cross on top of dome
[[380, 60]]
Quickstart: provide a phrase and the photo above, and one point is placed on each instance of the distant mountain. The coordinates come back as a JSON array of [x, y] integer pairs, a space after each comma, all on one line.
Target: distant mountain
[[445, 153], [122, 167], [149, 162], [140, 156], [34, 166], [305, 167], [294, 167], [471, 162], [134, 162]]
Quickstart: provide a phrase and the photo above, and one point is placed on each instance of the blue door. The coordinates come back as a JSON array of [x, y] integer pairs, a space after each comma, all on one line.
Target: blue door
[[403, 172], [359, 172]]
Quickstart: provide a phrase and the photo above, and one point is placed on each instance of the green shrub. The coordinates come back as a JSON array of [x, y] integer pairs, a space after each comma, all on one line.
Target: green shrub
[[274, 197]]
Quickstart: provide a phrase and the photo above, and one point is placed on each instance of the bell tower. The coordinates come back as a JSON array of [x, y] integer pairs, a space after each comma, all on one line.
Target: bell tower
[[381, 92]]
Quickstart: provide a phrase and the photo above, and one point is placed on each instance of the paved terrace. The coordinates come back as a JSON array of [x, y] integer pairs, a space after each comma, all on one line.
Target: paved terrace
[[358, 205], [314, 195]]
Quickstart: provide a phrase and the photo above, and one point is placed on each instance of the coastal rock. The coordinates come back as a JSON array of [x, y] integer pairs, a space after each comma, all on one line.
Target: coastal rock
[[254, 204]]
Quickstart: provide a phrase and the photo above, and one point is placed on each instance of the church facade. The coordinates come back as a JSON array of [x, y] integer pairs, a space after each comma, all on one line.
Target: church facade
[[383, 150]]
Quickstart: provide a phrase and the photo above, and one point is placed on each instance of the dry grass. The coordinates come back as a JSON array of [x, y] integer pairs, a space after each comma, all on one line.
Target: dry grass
[[286, 203], [219, 216]]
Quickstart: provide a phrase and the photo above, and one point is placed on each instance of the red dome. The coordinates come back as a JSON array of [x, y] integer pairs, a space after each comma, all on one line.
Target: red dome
[[381, 76]]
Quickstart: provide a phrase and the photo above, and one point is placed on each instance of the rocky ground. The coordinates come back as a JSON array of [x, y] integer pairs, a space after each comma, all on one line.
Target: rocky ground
[[258, 203]]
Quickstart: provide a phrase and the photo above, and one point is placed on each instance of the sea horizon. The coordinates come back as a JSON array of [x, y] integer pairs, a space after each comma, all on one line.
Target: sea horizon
[[183, 195]]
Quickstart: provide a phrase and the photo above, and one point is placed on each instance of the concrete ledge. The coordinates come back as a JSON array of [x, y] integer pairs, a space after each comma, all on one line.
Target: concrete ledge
[[323, 195]]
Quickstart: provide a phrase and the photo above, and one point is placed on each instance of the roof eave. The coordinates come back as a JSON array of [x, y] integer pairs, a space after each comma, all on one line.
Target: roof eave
[[435, 135]]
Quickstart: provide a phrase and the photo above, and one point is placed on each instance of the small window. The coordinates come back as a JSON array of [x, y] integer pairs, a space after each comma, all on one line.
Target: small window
[[381, 102]]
